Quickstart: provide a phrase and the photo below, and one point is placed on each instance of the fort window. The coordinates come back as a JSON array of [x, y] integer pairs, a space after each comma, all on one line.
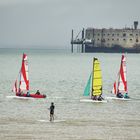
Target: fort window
[[136, 34], [124, 39], [113, 39], [124, 34], [137, 40], [112, 34], [88, 35], [131, 34], [108, 38], [104, 34], [130, 39], [117, 39], [98, 34], [103, 40], [108, 34], [117, 34], [98, 39]]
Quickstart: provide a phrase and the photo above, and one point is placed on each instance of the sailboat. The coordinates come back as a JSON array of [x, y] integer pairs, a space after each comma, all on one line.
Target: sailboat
[[120, 88], [21, 85], [94, 85]]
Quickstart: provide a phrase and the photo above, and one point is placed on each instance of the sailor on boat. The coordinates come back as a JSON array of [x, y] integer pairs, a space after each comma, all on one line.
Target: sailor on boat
[[119, 95], [28, 94], [37, 92], [126, 96], [100, 98], [94, 97]]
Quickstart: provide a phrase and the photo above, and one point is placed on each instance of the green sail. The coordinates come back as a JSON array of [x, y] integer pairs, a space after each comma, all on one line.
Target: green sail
[[87, 88]]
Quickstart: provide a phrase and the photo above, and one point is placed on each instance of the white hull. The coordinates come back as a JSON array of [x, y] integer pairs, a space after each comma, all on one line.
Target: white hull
[[116, 98], [93, 101], [19, 97]]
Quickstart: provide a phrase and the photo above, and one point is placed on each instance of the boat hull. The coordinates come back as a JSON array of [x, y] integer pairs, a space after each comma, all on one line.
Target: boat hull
[[32, 95], [93, 101], [116, 98], [19, 97]]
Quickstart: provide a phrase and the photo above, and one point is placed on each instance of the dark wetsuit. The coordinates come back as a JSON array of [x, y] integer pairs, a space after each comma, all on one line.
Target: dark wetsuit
[[28, 94], [52, 109], [52, 112], [100, 98], [119, 95], [38, 93]]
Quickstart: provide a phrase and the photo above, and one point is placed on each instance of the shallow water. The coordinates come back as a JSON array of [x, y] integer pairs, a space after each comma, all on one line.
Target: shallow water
[[62, 76]]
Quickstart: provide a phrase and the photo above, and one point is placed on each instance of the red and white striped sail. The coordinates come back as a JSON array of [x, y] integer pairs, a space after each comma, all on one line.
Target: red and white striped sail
[[23, 84], [120, 85], [24, 80]]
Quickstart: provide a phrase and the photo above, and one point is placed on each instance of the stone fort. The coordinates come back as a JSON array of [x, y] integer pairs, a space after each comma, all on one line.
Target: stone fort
[[125, 38]]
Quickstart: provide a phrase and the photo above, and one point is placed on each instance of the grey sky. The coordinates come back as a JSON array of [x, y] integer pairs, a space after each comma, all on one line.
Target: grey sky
[[46, 23]]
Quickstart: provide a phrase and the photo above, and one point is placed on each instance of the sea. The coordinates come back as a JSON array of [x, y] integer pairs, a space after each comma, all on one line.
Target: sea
[[62, 76]]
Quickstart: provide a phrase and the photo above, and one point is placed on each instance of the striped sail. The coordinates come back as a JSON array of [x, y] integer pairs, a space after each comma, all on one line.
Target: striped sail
[[97, 78], [122, 83], [24, 80]]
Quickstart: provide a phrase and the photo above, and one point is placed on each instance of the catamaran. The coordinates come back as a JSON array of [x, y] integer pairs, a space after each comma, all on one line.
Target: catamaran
[[95, 92], [21, 85], [120, 85]]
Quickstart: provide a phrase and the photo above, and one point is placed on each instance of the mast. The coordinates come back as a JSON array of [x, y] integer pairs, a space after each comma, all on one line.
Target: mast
[[72, 41], [92, 77]]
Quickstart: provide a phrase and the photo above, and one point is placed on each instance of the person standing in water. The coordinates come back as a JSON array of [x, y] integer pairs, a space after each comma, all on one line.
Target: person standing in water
[[52, 111]]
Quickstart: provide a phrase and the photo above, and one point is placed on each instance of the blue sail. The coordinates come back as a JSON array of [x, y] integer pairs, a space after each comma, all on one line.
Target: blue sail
[[87, 88]]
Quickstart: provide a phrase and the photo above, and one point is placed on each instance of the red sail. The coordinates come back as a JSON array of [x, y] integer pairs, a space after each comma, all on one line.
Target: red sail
[[24, 81], [114, 88], [115, 85]]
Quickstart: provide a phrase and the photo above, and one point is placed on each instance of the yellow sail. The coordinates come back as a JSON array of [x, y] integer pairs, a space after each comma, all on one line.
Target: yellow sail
[[96, 78]]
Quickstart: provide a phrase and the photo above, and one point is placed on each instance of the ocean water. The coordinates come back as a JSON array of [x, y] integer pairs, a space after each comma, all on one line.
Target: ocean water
[[62, 76]]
